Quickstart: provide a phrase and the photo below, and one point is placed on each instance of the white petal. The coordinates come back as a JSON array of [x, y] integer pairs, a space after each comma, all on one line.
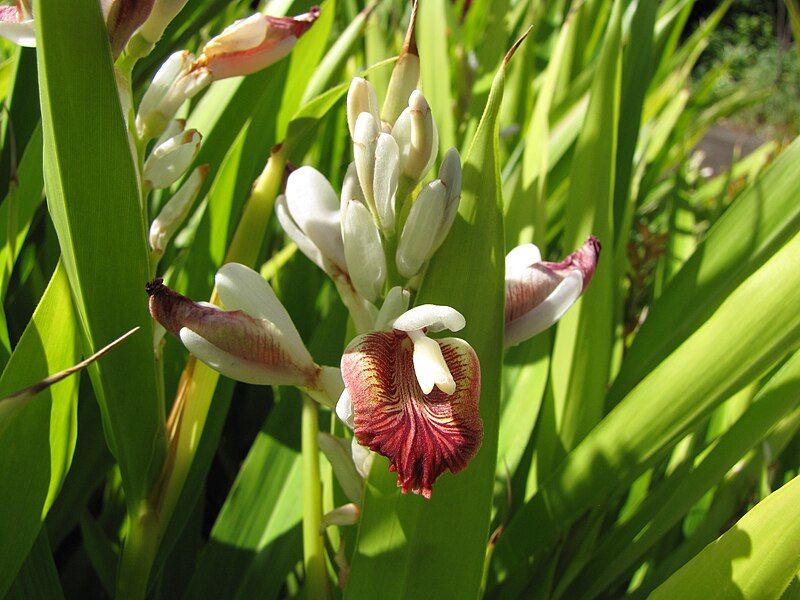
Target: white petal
[[430, 366], [362, 457], [344, 409], [232, 366], [433, 317], [22, 33], [175, 127], [450, 176], [306, 246], [387, 157], [164, 78], [363, 251], [351, 188], [364, 143], [417, 137], [349, 514], [169, 161], [395, 304], [314, 206], [242, 288], [238, 36], [361, 97], [337, 451], [174, 212], [420, 229], [520, 258], [547, 313]]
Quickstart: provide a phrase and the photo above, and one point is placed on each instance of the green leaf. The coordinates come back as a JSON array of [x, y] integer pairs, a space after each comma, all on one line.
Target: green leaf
[[433, 24], [770, 215], [757, 558], [408, 547], [582, 349], [38, 577], [93, 198], [37, 436]]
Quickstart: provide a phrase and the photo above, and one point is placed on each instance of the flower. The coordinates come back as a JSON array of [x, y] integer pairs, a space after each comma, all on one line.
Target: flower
[[175, 211], [251, 44], [309, 214], [123, 18], [16, 24], [254, 341], [170, 158], [161, 15], [539, 293], [414, 399], [173, 84]]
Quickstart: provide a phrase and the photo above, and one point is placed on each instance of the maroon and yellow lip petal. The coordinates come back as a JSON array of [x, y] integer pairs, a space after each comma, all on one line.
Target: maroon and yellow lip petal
[[421, 435]]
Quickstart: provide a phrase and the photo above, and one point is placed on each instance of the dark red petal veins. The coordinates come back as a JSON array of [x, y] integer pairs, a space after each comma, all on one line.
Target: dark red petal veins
[[421, 435]]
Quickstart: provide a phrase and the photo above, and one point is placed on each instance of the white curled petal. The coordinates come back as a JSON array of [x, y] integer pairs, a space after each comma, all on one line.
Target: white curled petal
[[387, 157], [337, 451], [349, 514], [363, 251], [175, 211], [230, 365], [430, 366], [420, 229], [22, 33], [344, 409], [169, 161], [433, 317], [362, 458], [314, 206], [306, 246], [361, 97], [395, 304], [242, 288], [547, 313], [450, 176], [365, 140], [238, 36], [163, 80], [351, 188], [520, 258]]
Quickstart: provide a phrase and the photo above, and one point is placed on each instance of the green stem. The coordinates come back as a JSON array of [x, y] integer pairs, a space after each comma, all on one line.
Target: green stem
[[316, 584], [138, 554]]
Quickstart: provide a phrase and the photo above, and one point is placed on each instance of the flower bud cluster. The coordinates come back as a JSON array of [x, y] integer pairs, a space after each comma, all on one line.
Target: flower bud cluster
[[379, 234]]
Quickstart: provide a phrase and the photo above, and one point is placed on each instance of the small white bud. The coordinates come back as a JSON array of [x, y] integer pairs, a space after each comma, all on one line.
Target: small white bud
[[160, 16], [176, 209], [387, 159], [423, 223], [396, 304], [450, 176], [417, 137], [365, 138], [169, 161], [361, 97], [363, 251]]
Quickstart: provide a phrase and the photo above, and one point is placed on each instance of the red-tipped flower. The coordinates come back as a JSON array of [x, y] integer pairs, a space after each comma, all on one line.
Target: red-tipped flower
[[539, 293], [251, 44], [415, 399]]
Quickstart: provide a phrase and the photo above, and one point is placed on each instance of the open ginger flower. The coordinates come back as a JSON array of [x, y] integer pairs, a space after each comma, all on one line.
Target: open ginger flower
[[414, 399], [539, 293]]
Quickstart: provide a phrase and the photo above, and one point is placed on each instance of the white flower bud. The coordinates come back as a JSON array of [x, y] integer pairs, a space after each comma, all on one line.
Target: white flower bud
[[387, 159], [361, 97], [162, 14], [423, 223], [417, 137], [173, 84], [365, 140], [174, 212], [395, 304], [450, 176], [363, 251], [337, 451], [349, 514], [169, 161]]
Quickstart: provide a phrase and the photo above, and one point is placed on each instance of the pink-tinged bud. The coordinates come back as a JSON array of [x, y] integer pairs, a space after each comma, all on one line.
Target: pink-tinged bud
[[255, 342], [123, 18], [539, 293], [386, 374], [252, 44], [16, 25]]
